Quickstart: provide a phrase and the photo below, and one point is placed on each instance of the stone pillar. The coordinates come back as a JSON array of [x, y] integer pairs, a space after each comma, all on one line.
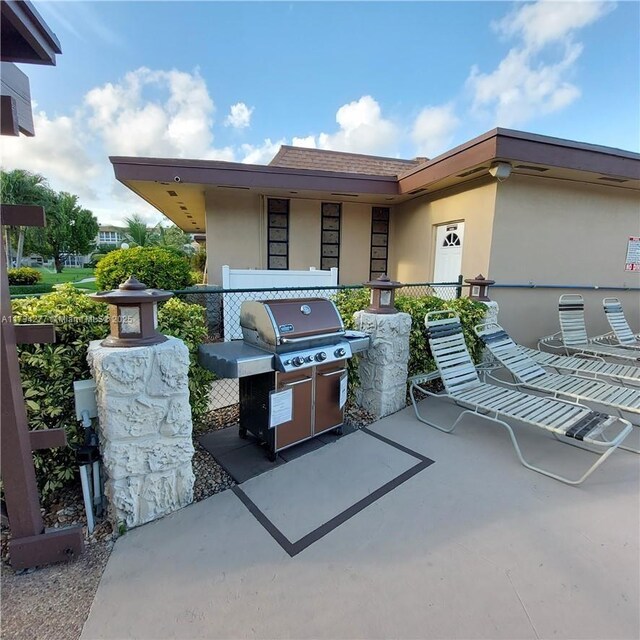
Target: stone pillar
[[383, 367], [144, 428]]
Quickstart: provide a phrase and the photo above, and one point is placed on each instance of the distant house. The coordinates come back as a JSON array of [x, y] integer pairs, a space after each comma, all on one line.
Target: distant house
[[108, 234], [514, 206]]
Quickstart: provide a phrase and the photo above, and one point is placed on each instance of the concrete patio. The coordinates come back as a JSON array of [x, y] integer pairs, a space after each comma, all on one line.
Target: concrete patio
[[366, 538]]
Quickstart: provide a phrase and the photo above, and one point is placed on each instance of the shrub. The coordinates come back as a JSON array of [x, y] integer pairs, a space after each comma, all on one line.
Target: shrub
[[188, 322], [157, 267], [24, 276], [48, 370], [42, 287], [471, 313], [95, 258], [199, 260]]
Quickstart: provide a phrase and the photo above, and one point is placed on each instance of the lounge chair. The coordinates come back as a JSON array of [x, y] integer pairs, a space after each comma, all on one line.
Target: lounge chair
[[621, 334], [587, 365], [566, 421], [530, 375], [572, 337]]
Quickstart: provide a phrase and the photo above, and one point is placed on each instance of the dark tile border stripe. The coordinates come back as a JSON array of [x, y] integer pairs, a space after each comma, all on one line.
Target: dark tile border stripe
[[294, 548]]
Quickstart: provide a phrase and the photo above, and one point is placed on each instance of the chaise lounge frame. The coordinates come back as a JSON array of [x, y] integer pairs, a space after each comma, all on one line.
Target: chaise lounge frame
[[528, 374], [572, 337], [565, 420], [621, 334]]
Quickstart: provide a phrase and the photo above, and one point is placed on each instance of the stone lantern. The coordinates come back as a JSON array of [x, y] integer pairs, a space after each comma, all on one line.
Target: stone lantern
[[383, 293], [133, 314], [479, 286]]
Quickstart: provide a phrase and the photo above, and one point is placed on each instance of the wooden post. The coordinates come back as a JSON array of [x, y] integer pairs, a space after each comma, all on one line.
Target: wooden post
[[30, 545]]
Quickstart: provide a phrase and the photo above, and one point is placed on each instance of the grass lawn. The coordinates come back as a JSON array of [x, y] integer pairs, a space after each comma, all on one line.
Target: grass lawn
[[69, 274]]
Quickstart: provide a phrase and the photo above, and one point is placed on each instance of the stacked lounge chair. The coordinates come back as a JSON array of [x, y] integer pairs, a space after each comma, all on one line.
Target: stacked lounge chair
[[566, 421], [572, 337], [529, 374], [621, 334]]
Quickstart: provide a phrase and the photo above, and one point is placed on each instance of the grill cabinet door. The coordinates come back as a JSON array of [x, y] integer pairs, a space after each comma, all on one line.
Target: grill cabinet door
[[299, 428], [328, 414]]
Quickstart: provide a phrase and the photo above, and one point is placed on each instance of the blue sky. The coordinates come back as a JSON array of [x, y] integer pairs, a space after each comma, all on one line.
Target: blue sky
[[233, 81]]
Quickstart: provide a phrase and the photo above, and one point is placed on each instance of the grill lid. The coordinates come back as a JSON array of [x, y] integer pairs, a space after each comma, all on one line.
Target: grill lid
[[276, 322]]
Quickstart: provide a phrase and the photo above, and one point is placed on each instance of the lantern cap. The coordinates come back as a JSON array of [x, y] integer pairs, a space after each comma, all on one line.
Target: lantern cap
[[480, 279], [131, 291], [383, 282], [132, 284]]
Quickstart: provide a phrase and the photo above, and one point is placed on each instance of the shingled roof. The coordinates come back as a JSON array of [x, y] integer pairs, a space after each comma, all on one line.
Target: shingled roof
[[341, 162]]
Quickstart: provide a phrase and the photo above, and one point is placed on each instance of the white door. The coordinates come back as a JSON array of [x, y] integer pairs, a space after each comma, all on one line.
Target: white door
[[448, 258]]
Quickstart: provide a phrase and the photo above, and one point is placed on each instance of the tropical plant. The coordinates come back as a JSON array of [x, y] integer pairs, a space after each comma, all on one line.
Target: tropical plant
[[21, 187], [157, 267], [137, 233], [70, 229], [173, 237], [24, 276], [48, 370]]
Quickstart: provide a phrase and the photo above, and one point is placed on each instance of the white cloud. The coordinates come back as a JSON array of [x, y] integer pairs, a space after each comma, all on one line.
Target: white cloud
[[541, 23], [308, 141], [239, 116], [263, 153], [58, 152], [363, 129], [534, 78], [433, 129], [166, 113]]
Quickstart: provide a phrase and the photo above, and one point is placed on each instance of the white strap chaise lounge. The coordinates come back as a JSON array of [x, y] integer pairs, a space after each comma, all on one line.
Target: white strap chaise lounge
[[587, 365], [572, 337], [529, 374], [567, 421], [621, 334]]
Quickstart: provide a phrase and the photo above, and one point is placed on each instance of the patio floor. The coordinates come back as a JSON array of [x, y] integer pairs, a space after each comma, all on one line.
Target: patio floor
[[414, 534]]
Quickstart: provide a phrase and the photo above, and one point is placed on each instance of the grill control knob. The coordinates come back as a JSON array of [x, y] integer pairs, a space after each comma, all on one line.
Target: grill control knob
[[340, 353], [320, 356], [297, 361], [309, 359]]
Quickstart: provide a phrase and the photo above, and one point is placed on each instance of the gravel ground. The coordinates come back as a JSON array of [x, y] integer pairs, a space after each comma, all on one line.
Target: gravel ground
[[52, 602]]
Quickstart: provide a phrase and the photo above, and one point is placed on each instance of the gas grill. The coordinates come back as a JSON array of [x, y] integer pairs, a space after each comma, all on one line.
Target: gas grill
[[298, 344]]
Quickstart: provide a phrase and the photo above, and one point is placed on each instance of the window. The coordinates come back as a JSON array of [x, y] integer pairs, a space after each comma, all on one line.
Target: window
[[379, 241], [451, 240], [278, 233], [330, 241], [108, 237]]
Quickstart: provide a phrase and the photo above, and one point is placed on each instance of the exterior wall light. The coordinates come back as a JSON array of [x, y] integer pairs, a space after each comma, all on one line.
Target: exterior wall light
[[479, 287], [500, 170], [133, 314], [383, 293]]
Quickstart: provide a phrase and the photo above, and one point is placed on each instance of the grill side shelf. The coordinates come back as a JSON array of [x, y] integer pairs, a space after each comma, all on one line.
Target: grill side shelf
[[235, 359]]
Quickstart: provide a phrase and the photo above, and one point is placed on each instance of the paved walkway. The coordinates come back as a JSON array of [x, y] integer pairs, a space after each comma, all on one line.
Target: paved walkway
[[366, 538]]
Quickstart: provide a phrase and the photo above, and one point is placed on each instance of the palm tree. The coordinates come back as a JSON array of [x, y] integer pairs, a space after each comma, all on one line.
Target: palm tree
[[137, 232], [21, 187]]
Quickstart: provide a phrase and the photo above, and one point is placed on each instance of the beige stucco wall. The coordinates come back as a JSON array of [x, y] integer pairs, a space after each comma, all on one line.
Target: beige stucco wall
[[413, 229], [237, 234], [234, 232], [555, 232]]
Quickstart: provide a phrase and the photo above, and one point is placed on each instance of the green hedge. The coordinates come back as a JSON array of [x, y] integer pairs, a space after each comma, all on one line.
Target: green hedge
[[23, 276], [157, 267], [48, 370], [420, 359], [43, 287]]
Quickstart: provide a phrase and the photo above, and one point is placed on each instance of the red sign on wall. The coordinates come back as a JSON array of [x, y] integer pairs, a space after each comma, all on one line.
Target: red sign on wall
[[632, 263]]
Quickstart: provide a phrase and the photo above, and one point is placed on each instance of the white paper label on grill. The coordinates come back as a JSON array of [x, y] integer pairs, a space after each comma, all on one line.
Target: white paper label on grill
[[280, 407], [343, 390]]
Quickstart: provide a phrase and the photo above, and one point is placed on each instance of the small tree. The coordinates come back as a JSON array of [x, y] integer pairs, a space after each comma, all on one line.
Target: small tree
[[174, 237], [21, 187], [70, 229]]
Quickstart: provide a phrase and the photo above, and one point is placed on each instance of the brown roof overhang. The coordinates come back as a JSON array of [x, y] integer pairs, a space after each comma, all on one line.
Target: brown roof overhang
[[25, 36], [236, 174], [527, 148]]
